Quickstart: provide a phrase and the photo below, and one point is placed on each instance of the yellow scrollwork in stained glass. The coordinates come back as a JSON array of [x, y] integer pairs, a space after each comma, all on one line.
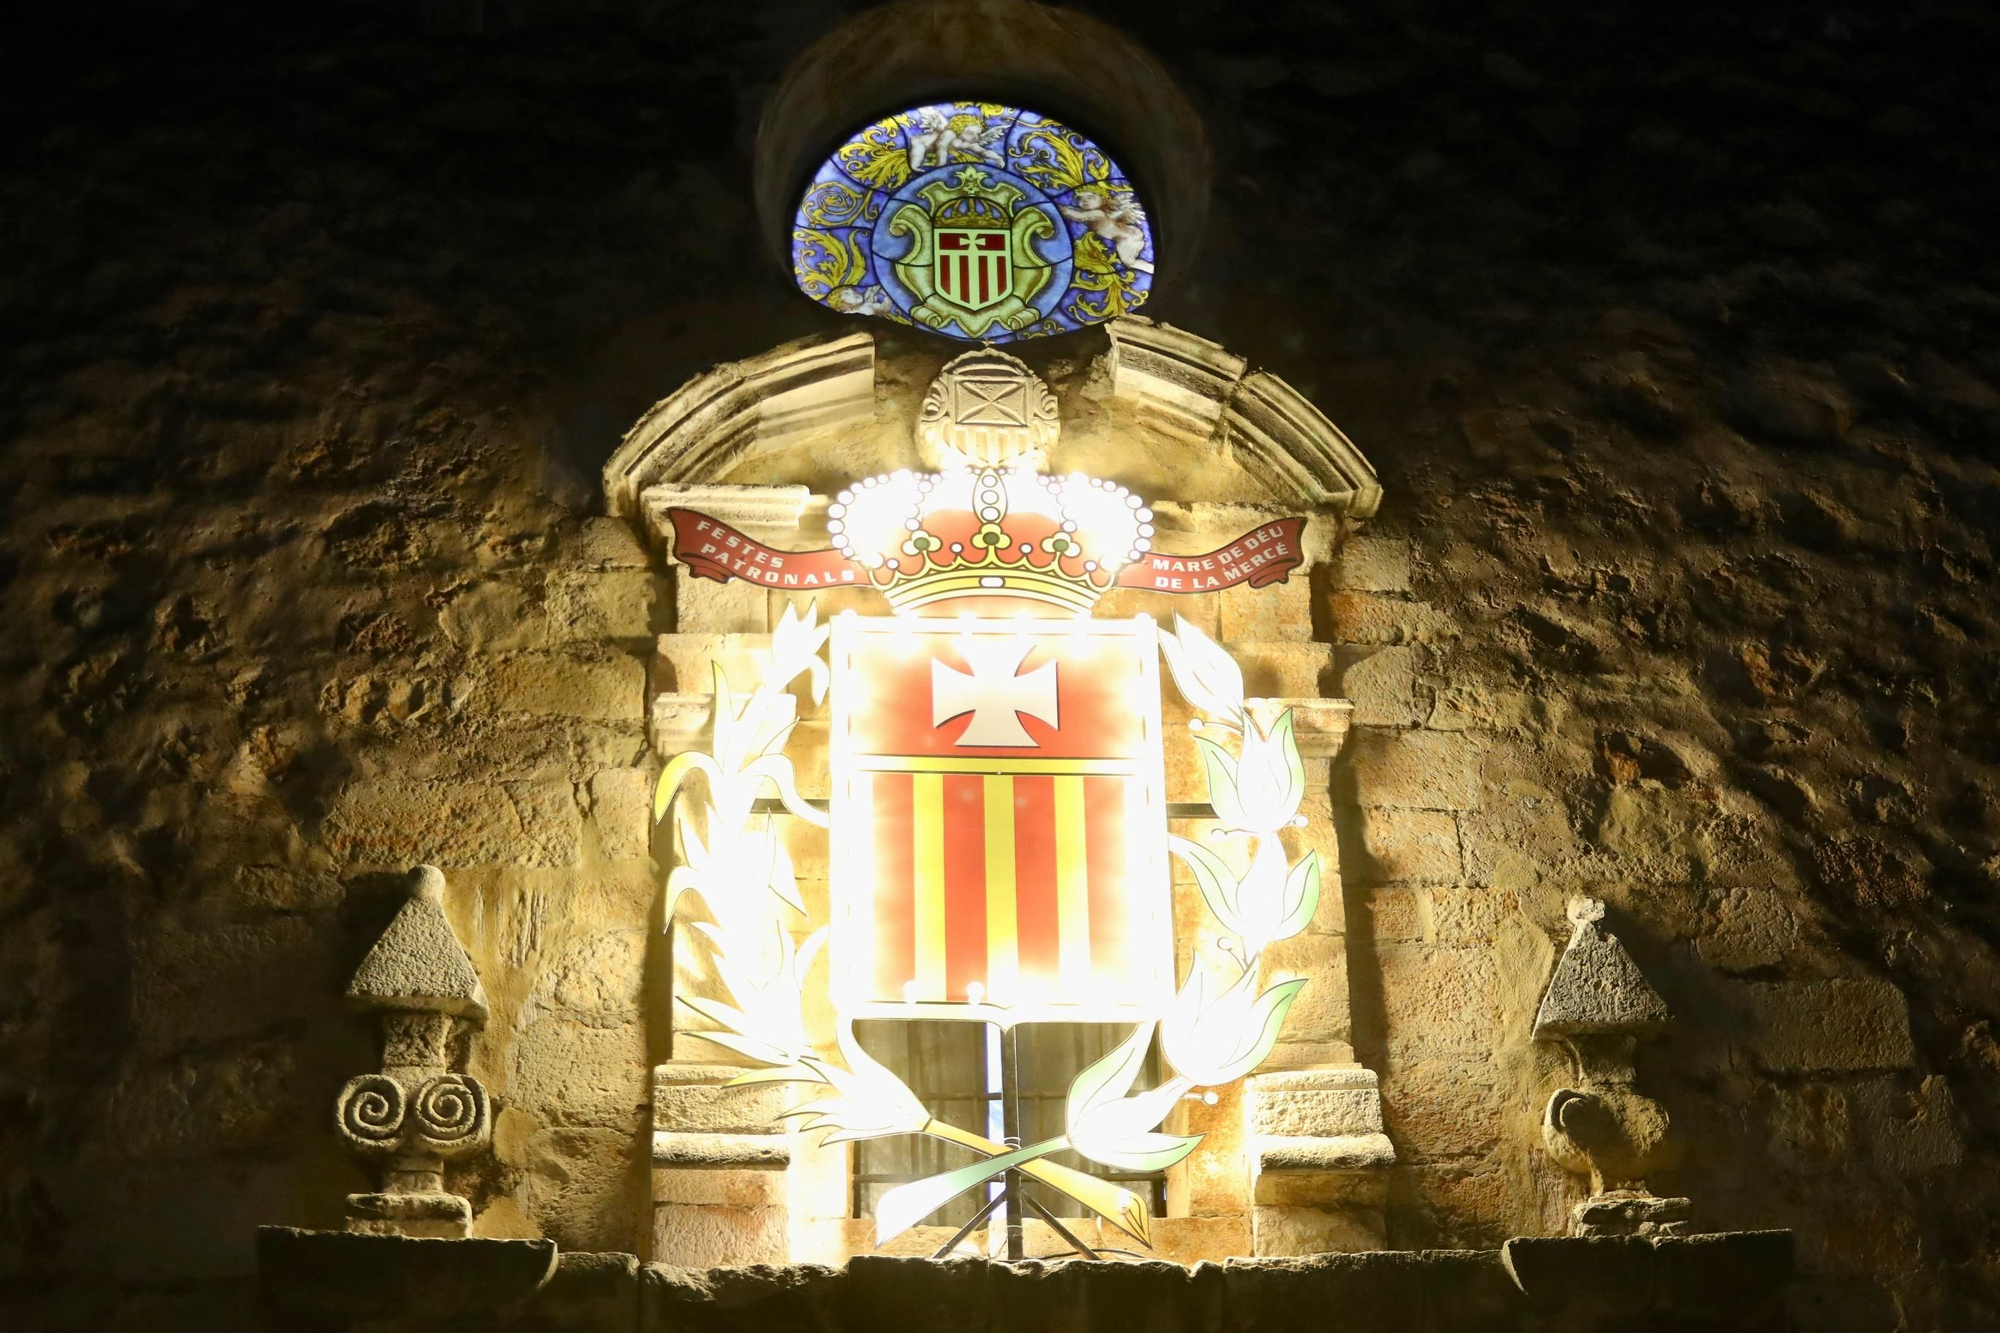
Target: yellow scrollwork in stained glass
[[1103, 288], [837, 204], [827, 262], [1059, 159], [877, 157]]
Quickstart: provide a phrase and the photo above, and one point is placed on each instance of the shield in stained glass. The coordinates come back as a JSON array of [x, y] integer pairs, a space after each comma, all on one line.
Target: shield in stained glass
[[975, 220], [971, 266]]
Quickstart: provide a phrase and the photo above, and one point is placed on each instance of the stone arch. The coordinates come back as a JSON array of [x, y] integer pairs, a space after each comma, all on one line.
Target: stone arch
[[1191, 390], [1058, 61]]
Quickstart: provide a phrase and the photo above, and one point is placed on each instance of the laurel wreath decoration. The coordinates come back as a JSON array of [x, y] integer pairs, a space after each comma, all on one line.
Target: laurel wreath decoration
[[1221, 1026]]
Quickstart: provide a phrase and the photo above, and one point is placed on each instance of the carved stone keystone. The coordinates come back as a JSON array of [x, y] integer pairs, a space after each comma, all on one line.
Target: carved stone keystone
[[418, 1111], [1599, 1005]]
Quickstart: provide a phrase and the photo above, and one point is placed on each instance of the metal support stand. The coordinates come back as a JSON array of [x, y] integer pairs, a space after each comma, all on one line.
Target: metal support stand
[[1011, 1191], [1010, 1111]]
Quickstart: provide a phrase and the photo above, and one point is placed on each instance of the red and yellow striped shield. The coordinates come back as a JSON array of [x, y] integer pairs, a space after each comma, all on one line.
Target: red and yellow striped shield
[[999, 821]]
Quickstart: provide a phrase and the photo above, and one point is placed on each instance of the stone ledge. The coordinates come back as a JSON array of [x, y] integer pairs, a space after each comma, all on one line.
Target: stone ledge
[[708, 1152], [1698, 1284], [1319, 724], [417, 1279], [1323, 1154]]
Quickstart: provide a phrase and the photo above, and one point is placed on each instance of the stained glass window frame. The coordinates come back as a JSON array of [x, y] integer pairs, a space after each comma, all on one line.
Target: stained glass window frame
[[872, 227]]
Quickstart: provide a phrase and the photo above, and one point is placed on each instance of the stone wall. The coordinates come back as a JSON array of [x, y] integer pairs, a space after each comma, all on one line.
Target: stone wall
[[1670, 332]]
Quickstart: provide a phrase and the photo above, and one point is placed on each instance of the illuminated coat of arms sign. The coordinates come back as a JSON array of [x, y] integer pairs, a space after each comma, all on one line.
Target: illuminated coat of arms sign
[[1000, 854], [997, 816]]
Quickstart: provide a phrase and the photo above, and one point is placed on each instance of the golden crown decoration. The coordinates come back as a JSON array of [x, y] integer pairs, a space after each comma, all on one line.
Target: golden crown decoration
[[988, 532]]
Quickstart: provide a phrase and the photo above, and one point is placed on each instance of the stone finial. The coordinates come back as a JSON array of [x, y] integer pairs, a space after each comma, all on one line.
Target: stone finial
[[1597, 988], [418, 964], [1599, 1005], [987, 407], [418, 1111]]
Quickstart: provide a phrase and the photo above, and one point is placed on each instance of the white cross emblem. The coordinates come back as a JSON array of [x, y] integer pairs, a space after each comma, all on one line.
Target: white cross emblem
[[993, 694]]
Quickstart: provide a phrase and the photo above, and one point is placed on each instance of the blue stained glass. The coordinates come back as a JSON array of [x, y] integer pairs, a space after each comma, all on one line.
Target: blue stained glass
[[979, 221]]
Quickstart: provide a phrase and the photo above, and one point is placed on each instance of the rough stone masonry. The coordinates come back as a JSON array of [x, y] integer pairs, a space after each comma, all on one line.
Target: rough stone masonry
[[1672, 333]]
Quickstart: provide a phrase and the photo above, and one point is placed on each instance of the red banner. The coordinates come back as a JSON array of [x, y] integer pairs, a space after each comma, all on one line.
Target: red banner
[[713, 550], [1260, 557]]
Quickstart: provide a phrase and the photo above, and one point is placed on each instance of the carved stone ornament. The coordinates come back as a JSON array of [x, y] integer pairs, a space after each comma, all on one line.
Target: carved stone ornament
[[418, 1112], [1599, 1005], [986, 407]]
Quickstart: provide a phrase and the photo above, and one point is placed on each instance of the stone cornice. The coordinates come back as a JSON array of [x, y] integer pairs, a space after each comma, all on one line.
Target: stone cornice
[[1191, 387], [740, 408]]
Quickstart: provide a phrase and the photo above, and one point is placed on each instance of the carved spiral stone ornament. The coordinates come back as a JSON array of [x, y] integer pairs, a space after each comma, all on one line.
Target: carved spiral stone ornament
[[370, 1112], [451, 1111]]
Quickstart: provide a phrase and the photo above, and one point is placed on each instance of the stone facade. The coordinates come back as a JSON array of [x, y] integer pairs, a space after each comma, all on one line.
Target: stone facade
[[1669, 336]]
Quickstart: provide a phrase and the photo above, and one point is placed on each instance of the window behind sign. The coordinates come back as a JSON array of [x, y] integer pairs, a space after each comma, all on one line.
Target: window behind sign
[[956, 1070]]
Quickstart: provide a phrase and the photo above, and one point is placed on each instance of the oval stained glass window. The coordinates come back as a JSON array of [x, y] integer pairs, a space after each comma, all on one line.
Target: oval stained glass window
[[975, 220]]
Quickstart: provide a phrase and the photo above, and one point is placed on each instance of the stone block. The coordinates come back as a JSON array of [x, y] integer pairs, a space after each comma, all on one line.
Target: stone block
[[1399, 916], [1378, 1290], [1412, 769], [1324, 1103], [1280, 669], [744, 1300], [1439, 999], [389, 821], [1443, 1106], [913, 1295], [692, 1098], [347, 1276], [621, 806], [1278, 1230], [608, 543], [685, 662], [1842, 1024], [619, 605], [1659, 832], [1521, 824], [193, 984], [1749, 928], [1911, 1131], [1372, 562], [495, 615], [1398, 846], [703, 606], [1373, 618], [1321, 1010], [1215, 1178], [1192, 1240], [569, 685], [691, 1235], [597, 979], [1308, 1054], [1282, 611], [586, 1187], [573, 1075], [1382, 684]]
